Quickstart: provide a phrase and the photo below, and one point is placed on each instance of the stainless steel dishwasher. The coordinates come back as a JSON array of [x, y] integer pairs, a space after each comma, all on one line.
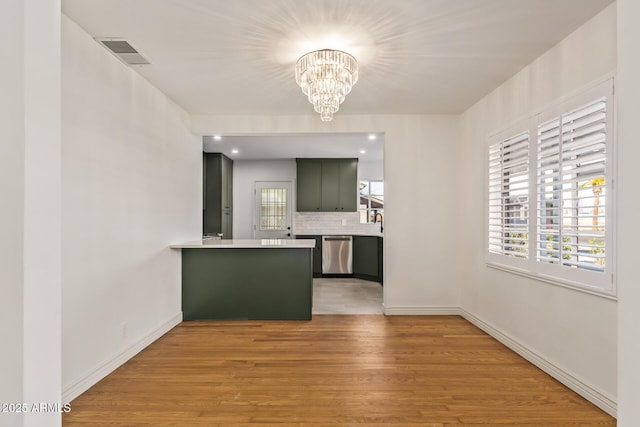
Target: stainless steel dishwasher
[[337, 255]]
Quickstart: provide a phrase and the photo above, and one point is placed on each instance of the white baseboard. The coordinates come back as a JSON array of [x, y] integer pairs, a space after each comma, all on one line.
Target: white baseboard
[[598, 398], [420, 311], [83, 384]]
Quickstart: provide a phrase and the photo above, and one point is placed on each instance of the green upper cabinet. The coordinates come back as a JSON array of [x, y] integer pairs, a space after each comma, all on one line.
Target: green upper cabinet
[[309, 185], [226, 174], [348, 200], [331, 185], [327, 185], [218, 195]]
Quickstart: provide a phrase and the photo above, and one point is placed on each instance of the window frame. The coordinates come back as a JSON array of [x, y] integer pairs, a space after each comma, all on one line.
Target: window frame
[[276, 216], [592, 282], [367, 211]]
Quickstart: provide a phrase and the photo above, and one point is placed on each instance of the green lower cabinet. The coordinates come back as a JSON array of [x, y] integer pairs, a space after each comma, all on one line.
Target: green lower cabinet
[[380, 260], [247, 284], [367, 258]]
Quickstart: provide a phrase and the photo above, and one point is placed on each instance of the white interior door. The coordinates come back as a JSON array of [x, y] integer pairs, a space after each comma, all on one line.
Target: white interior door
[[272, 212]]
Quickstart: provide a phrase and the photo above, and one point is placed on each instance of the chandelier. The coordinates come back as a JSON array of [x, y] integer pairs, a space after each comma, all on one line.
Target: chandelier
[[326, 76]]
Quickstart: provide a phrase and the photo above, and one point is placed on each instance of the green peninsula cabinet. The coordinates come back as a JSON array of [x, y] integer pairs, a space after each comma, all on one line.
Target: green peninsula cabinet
[[217, 214], [267, 279], [327, 185]]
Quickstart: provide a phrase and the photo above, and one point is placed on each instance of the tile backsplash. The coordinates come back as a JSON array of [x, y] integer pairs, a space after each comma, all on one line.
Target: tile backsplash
[[319, 223]]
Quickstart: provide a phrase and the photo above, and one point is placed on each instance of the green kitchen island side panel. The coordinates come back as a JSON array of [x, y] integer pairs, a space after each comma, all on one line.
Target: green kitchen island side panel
[[247, 284]]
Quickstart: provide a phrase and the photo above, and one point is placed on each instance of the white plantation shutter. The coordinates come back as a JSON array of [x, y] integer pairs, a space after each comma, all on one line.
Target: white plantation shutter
[[509, 197], [549, 211], [571, 177]]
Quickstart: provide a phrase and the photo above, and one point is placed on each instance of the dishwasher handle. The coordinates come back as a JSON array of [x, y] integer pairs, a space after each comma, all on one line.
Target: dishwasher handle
[[337, 239]]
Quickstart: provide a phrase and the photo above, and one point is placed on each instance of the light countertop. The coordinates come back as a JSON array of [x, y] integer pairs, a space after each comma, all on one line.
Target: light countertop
[[257, 243], [342, 234]]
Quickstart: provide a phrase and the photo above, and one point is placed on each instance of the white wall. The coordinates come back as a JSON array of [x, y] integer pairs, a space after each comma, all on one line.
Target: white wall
[[419, 228], [245, 174], [30, 208], [370, 170], [42, 206], [131, 185], [12, 164], [628, 206], [574, 331]]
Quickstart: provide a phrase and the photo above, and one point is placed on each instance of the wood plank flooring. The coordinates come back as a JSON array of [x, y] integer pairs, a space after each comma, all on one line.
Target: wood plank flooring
[[332, 371]]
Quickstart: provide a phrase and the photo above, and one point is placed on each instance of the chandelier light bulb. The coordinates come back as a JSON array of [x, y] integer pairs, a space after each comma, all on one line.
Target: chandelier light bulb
[[326, 76]]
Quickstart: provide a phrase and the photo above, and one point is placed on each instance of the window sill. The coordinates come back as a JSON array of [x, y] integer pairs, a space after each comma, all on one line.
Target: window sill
[[554, 281]]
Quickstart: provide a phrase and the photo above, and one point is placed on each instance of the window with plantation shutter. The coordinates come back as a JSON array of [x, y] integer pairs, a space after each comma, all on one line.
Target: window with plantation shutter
[[509, 196], [550, 192], [572, 160]]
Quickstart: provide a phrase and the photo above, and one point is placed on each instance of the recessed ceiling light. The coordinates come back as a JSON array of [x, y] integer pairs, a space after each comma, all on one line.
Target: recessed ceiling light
[[363, 151], [234, 151], [372, 137], [217, 137]]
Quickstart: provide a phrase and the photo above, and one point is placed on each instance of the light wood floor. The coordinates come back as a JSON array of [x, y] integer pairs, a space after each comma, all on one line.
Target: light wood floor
[[331, 371]]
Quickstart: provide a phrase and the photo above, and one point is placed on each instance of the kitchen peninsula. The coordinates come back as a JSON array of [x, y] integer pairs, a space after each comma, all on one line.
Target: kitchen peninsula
[[269, 279]]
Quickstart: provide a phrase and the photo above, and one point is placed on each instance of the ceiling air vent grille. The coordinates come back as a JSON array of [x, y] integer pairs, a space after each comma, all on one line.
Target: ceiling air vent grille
[[123, 50]]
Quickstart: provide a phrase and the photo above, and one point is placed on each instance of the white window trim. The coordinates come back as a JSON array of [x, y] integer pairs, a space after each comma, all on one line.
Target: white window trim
[[368, 209], [552, 280], [602, 284]]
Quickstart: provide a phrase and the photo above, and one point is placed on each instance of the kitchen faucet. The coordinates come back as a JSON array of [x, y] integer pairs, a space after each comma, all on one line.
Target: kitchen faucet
[[375, 219]]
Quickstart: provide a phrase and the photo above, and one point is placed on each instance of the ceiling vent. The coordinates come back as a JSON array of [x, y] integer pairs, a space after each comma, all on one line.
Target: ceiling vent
[[123, 50]]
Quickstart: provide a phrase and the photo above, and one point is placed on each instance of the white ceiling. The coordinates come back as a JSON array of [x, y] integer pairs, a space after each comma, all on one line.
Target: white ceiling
[[415, 56]]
